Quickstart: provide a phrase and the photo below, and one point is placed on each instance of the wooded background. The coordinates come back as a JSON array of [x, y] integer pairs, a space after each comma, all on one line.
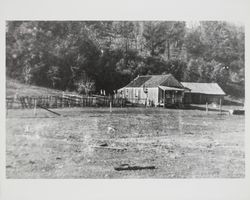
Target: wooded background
[[89, 56]]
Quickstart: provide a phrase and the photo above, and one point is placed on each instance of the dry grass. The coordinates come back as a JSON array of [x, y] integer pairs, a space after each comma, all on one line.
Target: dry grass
[[180, 143], [14, 87]]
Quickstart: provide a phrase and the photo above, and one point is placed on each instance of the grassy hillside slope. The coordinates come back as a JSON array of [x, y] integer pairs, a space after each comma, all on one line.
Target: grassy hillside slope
[[14, 87]]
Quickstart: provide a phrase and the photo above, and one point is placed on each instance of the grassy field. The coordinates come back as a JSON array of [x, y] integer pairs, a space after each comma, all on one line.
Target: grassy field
[[179, 143]]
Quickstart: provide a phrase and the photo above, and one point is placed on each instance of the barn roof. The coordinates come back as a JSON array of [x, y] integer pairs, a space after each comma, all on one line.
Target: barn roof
[[155, 81], [204, 88]]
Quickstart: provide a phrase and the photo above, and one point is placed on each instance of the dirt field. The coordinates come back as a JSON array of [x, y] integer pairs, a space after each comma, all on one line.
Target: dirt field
[[90, 142]]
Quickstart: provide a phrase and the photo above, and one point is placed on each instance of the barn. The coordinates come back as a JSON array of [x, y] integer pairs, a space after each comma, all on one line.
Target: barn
[[154, 90], [202, 93]]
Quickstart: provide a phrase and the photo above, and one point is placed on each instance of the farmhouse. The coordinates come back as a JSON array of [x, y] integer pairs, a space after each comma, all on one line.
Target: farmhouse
[[154, 90], [202, 93]]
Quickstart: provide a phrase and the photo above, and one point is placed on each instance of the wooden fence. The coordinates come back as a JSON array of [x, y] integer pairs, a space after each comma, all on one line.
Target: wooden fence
[[24, 102]]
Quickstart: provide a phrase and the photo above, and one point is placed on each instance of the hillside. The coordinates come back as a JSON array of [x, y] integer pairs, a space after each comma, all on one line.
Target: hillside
[[14, 87]]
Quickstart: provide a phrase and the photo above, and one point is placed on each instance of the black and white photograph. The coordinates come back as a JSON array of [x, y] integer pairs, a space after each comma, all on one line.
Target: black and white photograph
[[125, 99]]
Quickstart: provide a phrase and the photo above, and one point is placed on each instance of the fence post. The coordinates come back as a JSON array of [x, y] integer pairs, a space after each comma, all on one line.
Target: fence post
[[56, 103], [35, 107], [206, 107], [25, 102], [48, 98], [6, 109], [110, 106], [220, 106]]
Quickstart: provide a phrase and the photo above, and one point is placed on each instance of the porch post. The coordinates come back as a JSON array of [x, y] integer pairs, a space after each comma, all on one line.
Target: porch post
[[164, 94]]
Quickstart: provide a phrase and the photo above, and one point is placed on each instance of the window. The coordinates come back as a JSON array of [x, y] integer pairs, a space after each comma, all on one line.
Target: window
[[126, 92]]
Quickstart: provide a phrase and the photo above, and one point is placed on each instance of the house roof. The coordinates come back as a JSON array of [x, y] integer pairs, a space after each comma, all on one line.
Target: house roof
[[138, 81], [155, 80], [204, 88]]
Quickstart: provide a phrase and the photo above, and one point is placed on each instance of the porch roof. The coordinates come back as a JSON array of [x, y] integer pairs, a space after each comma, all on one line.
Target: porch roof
[[171, 88]]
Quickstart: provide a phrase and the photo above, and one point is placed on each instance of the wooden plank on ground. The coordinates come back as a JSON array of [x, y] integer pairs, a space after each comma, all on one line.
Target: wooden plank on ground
[[110, 148], [49, 110], [128, 167]]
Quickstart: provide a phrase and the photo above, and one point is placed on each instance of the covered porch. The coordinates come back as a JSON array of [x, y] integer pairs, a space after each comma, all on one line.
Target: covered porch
[[170, 96]]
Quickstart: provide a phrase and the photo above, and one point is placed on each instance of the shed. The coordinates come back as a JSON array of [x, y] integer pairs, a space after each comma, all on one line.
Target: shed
[[154, 90], [201, 93]]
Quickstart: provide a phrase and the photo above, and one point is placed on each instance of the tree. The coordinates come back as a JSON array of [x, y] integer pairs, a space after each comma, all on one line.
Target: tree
[[155, 37], [192, 72], [54, 75], [112, 53], [84, 84], [174, 32], [221, 46], [194, 43]]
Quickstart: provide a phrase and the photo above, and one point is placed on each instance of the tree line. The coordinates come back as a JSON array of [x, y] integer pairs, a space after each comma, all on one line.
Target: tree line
[[89, 56]]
